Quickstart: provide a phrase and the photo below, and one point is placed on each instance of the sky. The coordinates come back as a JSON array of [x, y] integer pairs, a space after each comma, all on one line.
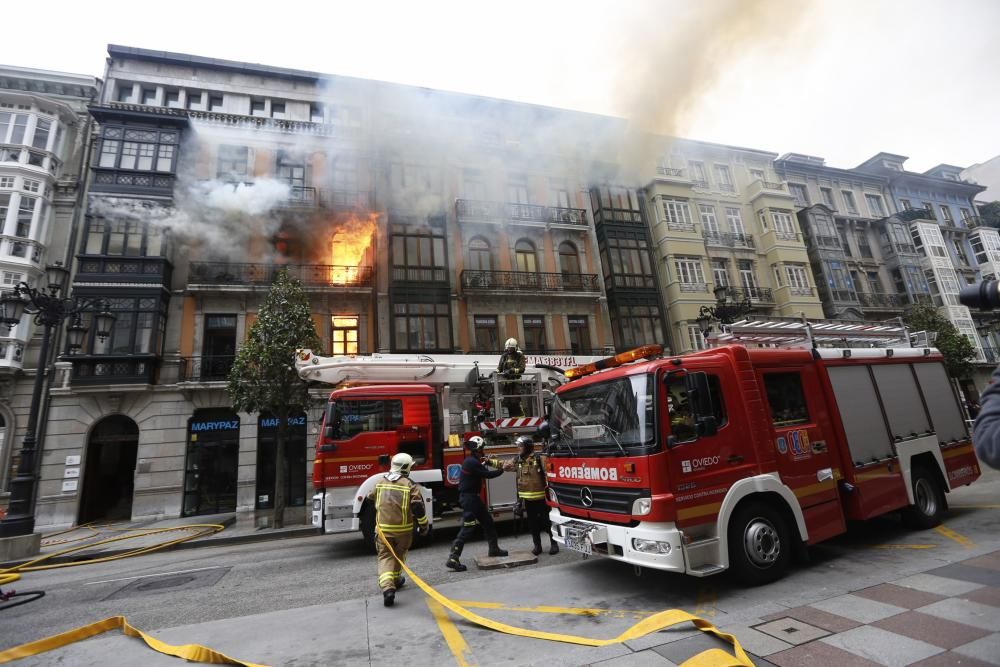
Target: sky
[[841, 79]]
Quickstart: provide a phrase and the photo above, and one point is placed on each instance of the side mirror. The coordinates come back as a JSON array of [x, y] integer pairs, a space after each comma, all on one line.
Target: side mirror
[[707, 426], [544, 432]]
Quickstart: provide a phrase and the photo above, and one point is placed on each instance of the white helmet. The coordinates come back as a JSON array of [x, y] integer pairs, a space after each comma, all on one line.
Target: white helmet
[[475, 443], [401, 463], [511, 344]]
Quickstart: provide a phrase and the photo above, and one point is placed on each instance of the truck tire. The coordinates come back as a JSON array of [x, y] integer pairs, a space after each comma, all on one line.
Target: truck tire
[[366, 519], [760, 544], [928, 500]]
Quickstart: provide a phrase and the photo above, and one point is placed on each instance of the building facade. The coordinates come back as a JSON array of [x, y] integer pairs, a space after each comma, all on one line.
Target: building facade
[[44, 138], [720, 215], [417, 221]]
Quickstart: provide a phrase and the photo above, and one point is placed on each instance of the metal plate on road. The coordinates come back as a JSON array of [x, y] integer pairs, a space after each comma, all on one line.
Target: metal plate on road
[[169, 583]]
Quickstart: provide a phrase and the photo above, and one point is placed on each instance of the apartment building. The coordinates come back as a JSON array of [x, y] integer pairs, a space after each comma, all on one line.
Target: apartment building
[[721, 216], [954, 248], [863, 260], [44, 138], [418, 221]]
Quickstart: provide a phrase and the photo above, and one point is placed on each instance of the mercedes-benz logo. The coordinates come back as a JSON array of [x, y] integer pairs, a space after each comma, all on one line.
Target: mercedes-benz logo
[[586, 497]]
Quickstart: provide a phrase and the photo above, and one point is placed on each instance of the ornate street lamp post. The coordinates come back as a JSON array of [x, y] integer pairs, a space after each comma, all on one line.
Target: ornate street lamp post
[[49, 309], [723, 311]]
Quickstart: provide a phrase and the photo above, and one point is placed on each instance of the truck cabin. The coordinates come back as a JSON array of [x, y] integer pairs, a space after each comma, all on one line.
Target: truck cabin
[[383, 420]]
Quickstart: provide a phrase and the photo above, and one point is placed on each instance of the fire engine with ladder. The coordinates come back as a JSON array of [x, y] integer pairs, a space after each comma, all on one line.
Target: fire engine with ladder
[[389, 403], [738, 456]]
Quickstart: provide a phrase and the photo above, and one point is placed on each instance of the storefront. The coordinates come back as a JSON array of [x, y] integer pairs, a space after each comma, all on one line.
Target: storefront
[[211, 463], [295, 461]]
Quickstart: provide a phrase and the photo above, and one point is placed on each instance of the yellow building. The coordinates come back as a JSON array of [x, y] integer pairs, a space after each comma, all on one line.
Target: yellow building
[[719, 216]]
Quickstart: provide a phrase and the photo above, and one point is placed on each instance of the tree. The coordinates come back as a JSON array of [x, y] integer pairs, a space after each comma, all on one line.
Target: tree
[[990, 213], [957, 350], [263, 377]]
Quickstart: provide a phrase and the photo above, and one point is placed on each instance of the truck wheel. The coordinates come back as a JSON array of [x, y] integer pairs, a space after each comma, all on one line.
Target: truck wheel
[[760, 544], [367, 520], [928, 501]]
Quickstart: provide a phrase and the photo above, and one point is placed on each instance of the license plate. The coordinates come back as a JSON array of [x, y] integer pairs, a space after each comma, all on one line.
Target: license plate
[[578, 543]]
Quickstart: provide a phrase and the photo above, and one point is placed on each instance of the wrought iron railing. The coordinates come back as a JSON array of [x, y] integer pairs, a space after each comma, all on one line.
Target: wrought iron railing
[[231, 273], [991, 355], [605, 215], [755, 294], [877, 300], [802, 291], [207, 368], [476, 210], [528, 281], [670, 171]]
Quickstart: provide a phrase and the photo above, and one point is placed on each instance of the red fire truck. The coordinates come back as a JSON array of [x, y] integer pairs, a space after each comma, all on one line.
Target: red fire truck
[[388, 403], [737, 456]]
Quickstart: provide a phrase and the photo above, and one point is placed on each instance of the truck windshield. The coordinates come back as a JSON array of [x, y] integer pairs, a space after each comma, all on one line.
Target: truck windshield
[[611, 418]]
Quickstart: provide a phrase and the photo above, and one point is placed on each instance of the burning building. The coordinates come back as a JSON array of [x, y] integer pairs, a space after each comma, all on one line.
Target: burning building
[[417, 221]]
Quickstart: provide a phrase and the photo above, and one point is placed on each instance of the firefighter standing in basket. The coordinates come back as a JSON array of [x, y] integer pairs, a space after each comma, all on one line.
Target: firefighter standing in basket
[[474, 512], [510, 367], [398, 501], [531, 493]]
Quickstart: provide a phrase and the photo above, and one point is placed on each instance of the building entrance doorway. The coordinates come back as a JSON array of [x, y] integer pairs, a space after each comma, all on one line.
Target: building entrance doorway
[[212, 462], [109, 474]]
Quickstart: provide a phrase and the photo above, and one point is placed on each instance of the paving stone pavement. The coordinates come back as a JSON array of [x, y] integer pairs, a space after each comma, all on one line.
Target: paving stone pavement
[[947, 616]]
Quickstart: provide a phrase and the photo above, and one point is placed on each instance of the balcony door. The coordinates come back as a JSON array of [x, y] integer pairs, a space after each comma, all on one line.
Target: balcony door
[[219, 347]]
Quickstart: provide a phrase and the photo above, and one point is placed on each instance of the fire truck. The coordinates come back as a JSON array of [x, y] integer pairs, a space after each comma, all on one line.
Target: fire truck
[[738, 456], [386, 403]]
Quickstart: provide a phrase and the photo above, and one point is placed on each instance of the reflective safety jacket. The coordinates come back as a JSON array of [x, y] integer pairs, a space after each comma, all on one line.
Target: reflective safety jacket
[[397, 504], [530, 477]]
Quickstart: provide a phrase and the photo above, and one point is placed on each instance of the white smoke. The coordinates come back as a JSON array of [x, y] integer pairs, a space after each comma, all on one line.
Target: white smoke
[[257, 198]]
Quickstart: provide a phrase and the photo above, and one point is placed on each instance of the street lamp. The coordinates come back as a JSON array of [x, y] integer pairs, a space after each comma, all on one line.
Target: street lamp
[[723, 311], [49, 310]]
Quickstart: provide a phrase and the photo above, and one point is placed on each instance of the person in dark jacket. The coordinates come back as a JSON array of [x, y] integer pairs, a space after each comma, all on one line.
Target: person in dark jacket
[[531, 492], [474, 511], [511, 366], [986, 435]]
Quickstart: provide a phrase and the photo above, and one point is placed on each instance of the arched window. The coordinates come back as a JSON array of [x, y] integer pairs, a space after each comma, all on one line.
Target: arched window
[[524, 256], [569, 264], [569, 258], [480, 255]]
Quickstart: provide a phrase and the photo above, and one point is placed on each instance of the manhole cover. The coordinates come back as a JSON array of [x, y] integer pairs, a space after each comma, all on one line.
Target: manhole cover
[[167, 583]]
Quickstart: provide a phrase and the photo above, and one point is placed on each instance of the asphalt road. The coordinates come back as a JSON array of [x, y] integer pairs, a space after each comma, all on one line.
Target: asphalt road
[[319, 577]]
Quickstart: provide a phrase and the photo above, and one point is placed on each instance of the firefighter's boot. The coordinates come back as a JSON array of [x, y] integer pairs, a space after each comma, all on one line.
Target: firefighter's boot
[[537, 549], [495, 551], [389, 597], [453, 562], [553, 546]]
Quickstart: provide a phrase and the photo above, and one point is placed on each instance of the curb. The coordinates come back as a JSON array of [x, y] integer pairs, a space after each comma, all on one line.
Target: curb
[[207, 541]]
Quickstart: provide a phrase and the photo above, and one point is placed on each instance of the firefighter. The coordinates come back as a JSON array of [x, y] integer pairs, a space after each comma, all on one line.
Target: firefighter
[[398, 501], [510, 367], [531, 493], [474, 512]]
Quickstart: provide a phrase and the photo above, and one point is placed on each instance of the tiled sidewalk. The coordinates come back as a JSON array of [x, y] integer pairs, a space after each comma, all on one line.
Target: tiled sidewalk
[[947, 616]]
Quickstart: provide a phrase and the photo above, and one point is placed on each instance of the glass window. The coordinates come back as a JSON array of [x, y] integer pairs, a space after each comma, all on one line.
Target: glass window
[[517, 189], [734, 219], [25, 213], [828, 197], [875, 205], [344, 337], [579, 334], [525, 258], [418, 252], [421, 326], [173, 99], [480, 255], [41, 138], [233, 163], [637, 324], [606, 416], [799, 194], [784, 395], [258, 107], [569, 259], [215, 102], [783, 225], [709, 223], [277, 109], [698, 174], [486, 333], [680, 409], [689, 271], [725, 177], [677, 214], [149, 96], [194, 100], [316, 112], [849, 202], [534, 333], [368, 416]]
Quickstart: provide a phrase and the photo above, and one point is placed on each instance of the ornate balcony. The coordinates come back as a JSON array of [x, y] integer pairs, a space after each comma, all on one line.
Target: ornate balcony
[[471, 210], [526, 281], [878, 301], [113, 369], [755, 294], [209, 368], [155, 270], [262, 275], [730, 240]]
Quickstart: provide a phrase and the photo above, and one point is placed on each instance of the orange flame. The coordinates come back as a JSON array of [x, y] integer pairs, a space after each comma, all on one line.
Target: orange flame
[[351, 242]]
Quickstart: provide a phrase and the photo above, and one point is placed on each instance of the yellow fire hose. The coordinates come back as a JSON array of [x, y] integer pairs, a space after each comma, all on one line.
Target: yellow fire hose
[[711, 658]]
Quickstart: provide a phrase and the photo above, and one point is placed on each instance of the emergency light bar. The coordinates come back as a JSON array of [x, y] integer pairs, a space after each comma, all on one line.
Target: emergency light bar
[[644, 352]]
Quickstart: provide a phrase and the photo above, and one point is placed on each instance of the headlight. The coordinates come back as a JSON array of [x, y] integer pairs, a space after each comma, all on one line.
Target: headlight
[[650, 546], [642, 506]]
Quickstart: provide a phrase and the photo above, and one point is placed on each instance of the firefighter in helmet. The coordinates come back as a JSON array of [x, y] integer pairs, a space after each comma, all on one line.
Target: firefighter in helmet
[[398, 502], [511, 367], [475, 469], [531, 492]]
